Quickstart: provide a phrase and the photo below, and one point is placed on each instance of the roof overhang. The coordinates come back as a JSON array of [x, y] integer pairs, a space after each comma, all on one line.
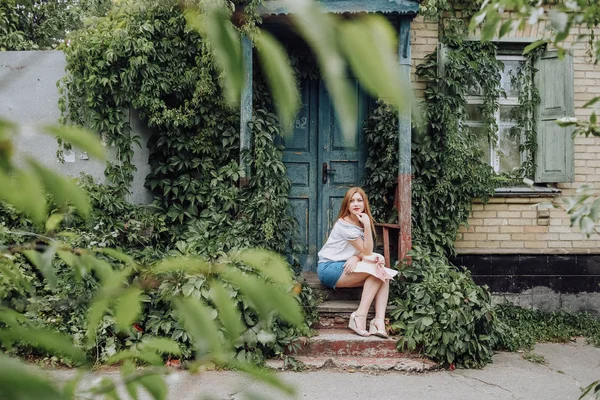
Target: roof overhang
[[405, 7]]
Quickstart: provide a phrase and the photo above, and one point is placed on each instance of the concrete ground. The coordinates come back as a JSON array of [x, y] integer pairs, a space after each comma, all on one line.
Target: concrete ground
[[568, 368]]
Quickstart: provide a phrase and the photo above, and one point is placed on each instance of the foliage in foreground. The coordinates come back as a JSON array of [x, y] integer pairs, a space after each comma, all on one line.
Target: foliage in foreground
[[443, 313]]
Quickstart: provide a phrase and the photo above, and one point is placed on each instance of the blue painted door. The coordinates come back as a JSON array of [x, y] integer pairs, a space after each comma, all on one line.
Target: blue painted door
[[322, 164]]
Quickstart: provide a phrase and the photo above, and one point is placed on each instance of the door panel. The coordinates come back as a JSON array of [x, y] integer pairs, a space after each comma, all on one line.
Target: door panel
[[343, 156], [317, 140]]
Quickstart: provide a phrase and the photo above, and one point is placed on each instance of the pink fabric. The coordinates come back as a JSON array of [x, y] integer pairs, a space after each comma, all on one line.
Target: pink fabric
[[380, 270]]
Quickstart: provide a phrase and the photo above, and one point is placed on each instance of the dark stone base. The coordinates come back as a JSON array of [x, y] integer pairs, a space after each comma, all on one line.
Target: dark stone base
[[509, 273]]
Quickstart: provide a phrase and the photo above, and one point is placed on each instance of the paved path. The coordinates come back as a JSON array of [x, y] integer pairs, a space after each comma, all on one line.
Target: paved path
[[569, 367]]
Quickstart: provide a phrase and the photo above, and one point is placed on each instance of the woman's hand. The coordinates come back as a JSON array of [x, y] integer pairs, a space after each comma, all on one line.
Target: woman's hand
[[350, 265], [363, 218]]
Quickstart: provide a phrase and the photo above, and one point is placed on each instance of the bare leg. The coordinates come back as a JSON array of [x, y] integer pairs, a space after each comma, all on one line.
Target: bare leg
[[370, 286], [381, 300]]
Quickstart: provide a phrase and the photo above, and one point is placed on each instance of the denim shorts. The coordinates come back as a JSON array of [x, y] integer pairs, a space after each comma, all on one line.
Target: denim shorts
[[329, 272]]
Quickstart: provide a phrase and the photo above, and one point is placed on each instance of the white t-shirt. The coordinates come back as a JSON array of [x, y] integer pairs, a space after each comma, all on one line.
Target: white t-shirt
[[338, 246]]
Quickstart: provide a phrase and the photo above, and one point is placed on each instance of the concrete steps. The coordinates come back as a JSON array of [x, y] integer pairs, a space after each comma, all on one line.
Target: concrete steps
[[335, 346]]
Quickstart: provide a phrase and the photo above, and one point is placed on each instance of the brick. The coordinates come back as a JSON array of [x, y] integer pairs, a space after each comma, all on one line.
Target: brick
[[512, 229], [571, 236], [484, 214], [586, 245], [475, 236], [560, 229], [495, 222], [499, 236], [519, 236], [511, 214], [520, 221], [518, 200], [476, 222], [464, 244], [488, 244], [495, 200], [560, 244], [477, 207], [536, 228], [529, 214], [536, 245], [547, 236], [488, 229], [512, 245], [520, 207]]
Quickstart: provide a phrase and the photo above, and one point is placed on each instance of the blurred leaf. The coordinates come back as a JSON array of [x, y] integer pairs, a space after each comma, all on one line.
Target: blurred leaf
[[318, 29], [270, 264], [591, 102], [161, 345], [18, 381], [96, 311], [229, 314], [24, 191], [70, 388], [559, 20], [184, 264], [78, 137], [128, 307], [505, 28], [156, 387], [225, 41], [64, 190], [280, 76], [149, 357], [117, 255], [43, 262], [529, 48], [54, 221], [44, 339], [267, 298], [196, 318], [370, 45]]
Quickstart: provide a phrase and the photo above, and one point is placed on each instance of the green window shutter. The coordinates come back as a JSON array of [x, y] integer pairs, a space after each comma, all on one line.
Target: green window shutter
[[554, 155]]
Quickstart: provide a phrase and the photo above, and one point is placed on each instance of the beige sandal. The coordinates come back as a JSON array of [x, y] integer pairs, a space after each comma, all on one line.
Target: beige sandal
[[374, 331], [352, 324]]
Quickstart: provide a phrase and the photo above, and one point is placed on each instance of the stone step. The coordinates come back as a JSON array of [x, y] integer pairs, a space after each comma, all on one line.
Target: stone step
[[335, 314], [345, 343], [402, 362]]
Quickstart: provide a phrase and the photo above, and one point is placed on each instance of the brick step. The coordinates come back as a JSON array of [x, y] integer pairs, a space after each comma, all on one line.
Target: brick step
[[335, 314], [345, 343], [405, 363]]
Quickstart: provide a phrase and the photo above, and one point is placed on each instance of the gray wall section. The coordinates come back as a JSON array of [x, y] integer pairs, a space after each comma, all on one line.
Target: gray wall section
[[29, 97]]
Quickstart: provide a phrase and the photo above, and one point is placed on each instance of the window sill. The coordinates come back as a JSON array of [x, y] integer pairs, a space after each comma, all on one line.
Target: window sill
[[519, 191]]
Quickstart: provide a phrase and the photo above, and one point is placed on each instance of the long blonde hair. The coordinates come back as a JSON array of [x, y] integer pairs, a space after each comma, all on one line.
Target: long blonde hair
[[344, 211]]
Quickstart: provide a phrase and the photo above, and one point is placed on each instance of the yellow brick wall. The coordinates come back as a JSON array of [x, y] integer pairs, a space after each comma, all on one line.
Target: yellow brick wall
[[514, 225]]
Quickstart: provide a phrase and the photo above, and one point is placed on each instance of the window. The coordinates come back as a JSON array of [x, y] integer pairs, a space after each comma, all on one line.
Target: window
[[503, 154]]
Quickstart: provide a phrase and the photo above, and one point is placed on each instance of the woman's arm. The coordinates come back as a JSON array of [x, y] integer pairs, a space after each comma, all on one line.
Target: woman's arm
[[364, 246]]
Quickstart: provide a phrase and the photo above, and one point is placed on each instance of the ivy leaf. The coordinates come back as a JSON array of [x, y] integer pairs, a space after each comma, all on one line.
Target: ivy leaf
[[281, 78], [64, 190], [225, 41], [78, 137], [318, 29]]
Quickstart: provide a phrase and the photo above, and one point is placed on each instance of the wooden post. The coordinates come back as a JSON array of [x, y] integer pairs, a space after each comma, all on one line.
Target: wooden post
[[246, 107], [404, 148]]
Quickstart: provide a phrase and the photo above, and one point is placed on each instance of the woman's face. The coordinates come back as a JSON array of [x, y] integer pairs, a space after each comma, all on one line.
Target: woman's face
[[357, 204]]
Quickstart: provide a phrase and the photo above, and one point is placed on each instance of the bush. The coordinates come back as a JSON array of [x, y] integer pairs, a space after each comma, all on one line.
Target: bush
[[443, 313]]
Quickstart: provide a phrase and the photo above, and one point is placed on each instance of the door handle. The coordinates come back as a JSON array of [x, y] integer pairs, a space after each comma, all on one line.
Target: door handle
[[326, 171]]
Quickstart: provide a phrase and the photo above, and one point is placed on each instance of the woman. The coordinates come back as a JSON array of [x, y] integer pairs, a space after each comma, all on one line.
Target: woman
[[351, 241]]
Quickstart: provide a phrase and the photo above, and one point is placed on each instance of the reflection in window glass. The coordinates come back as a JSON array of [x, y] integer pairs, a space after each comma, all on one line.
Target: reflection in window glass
[[483, 142], [510, 156]]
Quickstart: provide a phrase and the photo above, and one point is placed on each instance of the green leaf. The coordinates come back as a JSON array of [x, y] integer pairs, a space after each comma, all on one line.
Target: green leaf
[[591, 102], [183, 264], [128, 308], [117, 255], [587, 225], [370, 46], [267, 298], [44, 339], [149, 357], [18, 381], [96, 311], [225, 41], [43, 262], [64, 190], [196, 318], [78, 137], [280, 76], [229, 314], [270, 264], [318, 29], [529, 48], [156, 387], [161, 345], [24, 191], [54, 221], [505, 28], [426, 321]]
